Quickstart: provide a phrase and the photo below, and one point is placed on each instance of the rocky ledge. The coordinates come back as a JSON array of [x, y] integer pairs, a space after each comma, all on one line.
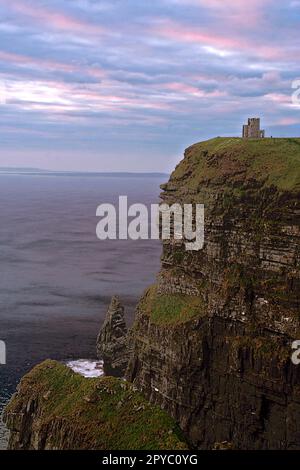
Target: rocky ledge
[[55, 408]]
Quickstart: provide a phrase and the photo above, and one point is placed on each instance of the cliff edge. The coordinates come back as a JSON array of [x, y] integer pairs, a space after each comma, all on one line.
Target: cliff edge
[[212, 338], [55, 408]]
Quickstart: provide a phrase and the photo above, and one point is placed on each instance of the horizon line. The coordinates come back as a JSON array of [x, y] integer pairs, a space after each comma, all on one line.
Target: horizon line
[[32, 170]]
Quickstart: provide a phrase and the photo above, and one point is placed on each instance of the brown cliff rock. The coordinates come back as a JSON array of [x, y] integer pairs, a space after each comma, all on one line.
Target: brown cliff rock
[[212, 339]]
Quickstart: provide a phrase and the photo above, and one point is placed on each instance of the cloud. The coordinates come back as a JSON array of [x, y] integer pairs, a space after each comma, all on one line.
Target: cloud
[[238, 12], [57, 20], [218, 43], [288, 121], [141, 79]]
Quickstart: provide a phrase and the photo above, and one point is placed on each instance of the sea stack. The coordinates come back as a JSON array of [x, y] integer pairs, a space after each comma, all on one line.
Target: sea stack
[[112, 340]]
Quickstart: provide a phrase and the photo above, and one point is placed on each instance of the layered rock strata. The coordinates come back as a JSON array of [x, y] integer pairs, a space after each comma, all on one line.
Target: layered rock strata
[[212, 339], [57, 409], [112, 340]]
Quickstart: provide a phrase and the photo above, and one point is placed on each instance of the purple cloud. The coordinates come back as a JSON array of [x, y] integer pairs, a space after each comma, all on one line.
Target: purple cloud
[[130, 84]]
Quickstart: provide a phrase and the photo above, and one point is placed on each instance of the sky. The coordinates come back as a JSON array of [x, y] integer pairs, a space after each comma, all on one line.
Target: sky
[[127, 85]]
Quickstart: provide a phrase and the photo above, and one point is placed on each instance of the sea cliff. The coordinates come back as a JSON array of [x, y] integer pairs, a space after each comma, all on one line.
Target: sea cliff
[[211, 342], [212, 339]]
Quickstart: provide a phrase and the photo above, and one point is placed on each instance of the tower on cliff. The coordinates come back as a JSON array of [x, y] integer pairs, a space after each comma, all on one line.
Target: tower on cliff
[[252, 130]]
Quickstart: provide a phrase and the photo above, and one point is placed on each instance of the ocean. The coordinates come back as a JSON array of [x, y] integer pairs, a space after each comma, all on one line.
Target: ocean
[[56, 277]]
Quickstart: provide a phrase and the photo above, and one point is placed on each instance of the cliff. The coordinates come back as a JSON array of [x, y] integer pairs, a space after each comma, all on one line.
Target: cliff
[[211, 342], [212, 339], [55, 408]]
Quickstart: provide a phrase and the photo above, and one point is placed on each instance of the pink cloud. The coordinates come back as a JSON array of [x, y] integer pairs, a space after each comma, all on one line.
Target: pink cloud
[[179, 33], [96, 72], [237, 12], [22, 60], [181, 87], [54, 19], [279, 98], [51, 65], [288, 121], [186, 89], [234, 43], [60, 98]]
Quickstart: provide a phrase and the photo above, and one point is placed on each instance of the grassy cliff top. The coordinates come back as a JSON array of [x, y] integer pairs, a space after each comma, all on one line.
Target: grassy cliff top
[[170, 309], [102, 413], [226, 161]]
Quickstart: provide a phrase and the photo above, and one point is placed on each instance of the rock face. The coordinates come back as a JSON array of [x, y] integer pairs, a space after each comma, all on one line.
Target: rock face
[[212, 339], [57, 409], [112, 340]]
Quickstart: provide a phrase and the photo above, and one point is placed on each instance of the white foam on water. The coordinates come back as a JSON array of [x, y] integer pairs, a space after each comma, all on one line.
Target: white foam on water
[[87, 367]]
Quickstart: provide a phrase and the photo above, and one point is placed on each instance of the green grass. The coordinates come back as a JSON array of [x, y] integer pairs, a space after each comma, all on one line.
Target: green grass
[[103, 413], [234, 161], [171, 309]]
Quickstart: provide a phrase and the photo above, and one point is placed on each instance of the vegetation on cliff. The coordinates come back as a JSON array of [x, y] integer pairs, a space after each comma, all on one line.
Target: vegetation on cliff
[[221, 321], [170, 309], [236, 162], [72, 412], [250, 189]]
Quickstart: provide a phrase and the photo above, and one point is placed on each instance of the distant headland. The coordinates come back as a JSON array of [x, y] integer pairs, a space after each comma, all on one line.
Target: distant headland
[[41, 172]]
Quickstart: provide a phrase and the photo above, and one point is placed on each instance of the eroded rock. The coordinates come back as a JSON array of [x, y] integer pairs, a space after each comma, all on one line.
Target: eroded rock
[[112, 340]]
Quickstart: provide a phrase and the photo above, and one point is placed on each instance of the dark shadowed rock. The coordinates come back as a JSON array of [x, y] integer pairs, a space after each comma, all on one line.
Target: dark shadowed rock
[[212, 339], [112, 340]]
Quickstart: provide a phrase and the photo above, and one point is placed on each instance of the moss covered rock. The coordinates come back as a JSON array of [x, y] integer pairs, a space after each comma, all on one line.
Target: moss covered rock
[[55, 408]]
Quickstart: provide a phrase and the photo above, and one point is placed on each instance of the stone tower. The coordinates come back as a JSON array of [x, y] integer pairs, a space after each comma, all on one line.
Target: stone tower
[[252, 130]]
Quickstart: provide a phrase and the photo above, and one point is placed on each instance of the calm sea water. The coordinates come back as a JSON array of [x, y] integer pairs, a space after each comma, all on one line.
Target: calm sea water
[[56, 278]]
